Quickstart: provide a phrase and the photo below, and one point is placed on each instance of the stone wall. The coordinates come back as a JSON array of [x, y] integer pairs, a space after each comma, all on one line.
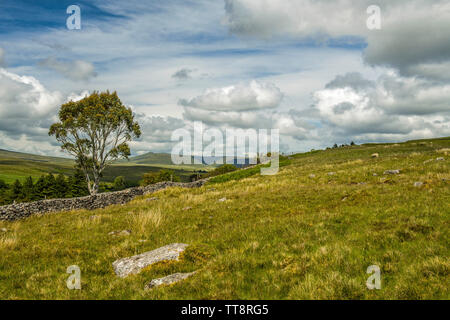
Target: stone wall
[[22, 210]]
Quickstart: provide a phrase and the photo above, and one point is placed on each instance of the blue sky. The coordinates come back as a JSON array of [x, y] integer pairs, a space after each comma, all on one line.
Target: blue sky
[[158, 53]]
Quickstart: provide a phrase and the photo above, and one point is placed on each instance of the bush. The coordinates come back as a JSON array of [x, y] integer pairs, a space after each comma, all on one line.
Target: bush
[[161, 176]]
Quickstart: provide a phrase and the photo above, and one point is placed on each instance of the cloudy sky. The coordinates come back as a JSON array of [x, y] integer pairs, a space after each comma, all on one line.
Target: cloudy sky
[[310, 68]]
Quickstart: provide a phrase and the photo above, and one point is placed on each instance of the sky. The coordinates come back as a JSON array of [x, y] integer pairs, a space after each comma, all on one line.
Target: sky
[[311, 68]]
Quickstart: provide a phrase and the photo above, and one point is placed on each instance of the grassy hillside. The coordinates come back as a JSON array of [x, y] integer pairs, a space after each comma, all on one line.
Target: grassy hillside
[[301, 234], [16, 165]]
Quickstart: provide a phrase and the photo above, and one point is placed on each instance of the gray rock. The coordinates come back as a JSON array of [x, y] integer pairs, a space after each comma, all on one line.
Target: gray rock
[[375, 155], [152, 199], [222, 199], [392, 172], [440, 159], [331, 173], [428, 161], [418, 184], [375, 174], [3, 230], [176, 277], [133, 265], [312, 175]]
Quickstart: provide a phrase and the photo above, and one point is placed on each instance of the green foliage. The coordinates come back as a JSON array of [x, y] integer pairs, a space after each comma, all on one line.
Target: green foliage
[[95, 130], [119, 183], [161, 176], [46, 187]]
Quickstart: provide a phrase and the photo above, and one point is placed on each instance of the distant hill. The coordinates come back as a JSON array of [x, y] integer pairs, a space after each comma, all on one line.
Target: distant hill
[[18, 165]]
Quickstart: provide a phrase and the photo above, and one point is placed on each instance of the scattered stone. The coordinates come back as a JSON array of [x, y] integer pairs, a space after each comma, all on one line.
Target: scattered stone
[[187, 208], [222, 199], [312, 175], [375, 155], [344, 198], [331, 173], [375, 174], [392, 172], [440, 159], [152, 199], [3, 230], [210, 217], [93, 217], [428, 161], [418, 184], [142, 240], [211, 189], [176, 277], [120, 233], [133, 265]]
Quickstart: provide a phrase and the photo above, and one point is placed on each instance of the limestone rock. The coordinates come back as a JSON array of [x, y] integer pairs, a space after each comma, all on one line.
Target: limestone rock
[[3, 230], [418, 184], [168, 280], [331, 173], [312, 175], [392, 172], [375, 155], [152, 199], [440, 159], [222, 199], [133, 265]]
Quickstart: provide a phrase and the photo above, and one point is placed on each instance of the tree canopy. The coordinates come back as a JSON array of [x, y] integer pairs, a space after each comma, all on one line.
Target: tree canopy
[[95, 130]]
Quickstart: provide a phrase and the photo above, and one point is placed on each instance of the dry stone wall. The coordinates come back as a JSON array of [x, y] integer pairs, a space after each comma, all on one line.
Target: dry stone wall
[[22, 210]]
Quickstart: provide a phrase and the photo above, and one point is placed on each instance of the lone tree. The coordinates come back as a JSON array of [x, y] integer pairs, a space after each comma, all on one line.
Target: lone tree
[[95, 130]]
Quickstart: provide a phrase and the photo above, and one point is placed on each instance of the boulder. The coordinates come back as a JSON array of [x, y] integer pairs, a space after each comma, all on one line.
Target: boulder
[[168, 280], [133, 265], [392, 172], [3, 230]]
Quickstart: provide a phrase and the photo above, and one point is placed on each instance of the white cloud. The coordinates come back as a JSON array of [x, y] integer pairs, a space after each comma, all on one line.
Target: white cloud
[[394, 105], [242, 97], [75, 70]]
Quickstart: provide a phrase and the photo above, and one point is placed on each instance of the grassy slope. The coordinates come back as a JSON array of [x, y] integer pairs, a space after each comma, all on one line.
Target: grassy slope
[[16, 165], [287, 236]]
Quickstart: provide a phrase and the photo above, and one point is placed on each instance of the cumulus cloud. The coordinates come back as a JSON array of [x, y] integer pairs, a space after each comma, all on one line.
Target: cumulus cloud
[[242, 97], [75, 70], [393, 105], [409, 40]]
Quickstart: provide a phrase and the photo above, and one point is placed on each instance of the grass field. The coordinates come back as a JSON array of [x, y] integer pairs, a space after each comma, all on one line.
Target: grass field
[[288, 236], [16, 165]]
